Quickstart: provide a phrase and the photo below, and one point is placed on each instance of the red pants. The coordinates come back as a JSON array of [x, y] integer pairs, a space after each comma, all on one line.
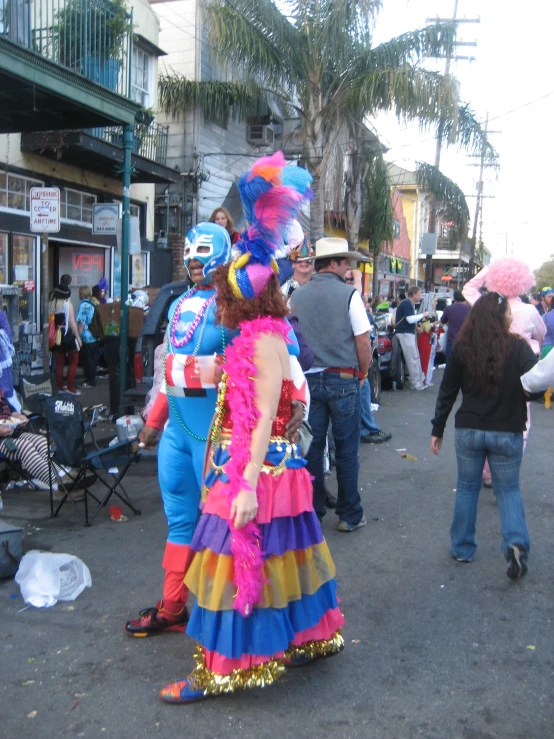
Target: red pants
[[71, 370]]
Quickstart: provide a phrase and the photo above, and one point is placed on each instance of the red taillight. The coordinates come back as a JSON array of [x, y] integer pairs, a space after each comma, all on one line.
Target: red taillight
[[384, 343], [137, 365]]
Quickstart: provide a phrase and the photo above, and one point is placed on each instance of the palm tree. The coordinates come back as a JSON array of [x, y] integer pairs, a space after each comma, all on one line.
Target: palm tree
[[315, 61], [377, 219]]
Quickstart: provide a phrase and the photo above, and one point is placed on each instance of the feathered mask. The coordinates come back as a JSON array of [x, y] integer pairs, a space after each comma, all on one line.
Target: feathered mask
[[272, 194]]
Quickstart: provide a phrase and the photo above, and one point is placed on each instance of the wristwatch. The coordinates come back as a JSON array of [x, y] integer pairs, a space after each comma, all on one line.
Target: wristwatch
[[362, 375]]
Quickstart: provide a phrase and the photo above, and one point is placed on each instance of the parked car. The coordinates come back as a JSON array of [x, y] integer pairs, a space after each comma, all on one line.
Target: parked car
[[375, 369], [391, 360]]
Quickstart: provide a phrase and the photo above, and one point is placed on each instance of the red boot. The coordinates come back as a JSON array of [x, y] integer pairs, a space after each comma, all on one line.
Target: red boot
[[165, 616]]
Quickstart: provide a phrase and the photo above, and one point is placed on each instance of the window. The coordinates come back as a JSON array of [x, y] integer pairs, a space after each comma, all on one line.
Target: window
[[141, 77], [3, 259], [15, 191], [76, 205], [24, 271]]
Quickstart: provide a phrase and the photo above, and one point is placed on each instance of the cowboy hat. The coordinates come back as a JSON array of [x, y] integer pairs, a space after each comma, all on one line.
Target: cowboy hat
[[334, 248]]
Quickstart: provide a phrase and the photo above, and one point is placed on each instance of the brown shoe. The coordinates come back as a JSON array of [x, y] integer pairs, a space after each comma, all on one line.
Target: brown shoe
[[163, 617]]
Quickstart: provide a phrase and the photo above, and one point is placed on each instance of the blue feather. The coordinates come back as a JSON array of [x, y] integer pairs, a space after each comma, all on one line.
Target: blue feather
[[250, 191], [297, 178]]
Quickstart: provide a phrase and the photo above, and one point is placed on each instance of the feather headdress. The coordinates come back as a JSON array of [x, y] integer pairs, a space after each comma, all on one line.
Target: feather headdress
[[272, 195]]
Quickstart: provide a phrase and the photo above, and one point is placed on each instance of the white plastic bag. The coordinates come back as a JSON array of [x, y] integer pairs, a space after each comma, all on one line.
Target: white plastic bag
[[45, 578]]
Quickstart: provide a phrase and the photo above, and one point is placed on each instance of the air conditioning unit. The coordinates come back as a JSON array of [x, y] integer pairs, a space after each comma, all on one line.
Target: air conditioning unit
[[259, 135]]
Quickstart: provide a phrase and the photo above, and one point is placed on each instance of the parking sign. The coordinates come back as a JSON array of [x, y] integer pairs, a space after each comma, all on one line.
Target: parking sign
[[45, 209]]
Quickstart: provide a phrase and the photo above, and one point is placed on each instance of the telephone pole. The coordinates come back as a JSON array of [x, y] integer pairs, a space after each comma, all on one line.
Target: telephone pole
[[478, 204], [432, 227]]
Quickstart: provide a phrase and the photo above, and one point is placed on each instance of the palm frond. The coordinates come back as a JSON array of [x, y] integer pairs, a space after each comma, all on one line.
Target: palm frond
[[219, 100], [256, 38], [411, 93], [378, 213], [467, 132], [408, 49], [450, 198]]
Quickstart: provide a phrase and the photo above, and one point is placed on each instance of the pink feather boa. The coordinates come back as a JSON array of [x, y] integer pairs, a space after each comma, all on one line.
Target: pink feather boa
[[240, 397]]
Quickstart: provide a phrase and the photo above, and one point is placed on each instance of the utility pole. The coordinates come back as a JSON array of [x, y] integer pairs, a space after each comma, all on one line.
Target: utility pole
[[432, 228], [478, 204]]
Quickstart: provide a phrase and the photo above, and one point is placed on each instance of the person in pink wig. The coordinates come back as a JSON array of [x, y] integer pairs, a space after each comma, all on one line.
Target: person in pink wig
[[511, 278]]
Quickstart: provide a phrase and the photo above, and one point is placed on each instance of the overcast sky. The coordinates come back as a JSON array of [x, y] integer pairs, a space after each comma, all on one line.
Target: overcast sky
[[513, 69]]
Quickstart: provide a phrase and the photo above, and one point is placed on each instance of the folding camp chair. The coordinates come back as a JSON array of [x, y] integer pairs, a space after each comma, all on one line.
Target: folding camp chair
[[66, 440]]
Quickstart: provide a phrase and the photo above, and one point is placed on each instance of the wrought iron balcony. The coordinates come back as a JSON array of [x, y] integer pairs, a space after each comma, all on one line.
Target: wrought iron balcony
[[90, 37], [149, 142]]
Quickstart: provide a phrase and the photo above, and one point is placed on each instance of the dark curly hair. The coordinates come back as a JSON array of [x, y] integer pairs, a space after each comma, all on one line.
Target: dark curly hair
[[484, 342], [271, 301]]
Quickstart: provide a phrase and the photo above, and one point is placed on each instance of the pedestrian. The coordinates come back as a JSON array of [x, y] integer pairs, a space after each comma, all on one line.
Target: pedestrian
[[370, 433], [262, 573], [91, 331], [547, 293], [405, 330], [335, 326], [223, 218], [186, 402], [68, 342], [427, 347], [302, 259], [453, 318], [548, 319], [486, 363], [535, 300], [183, 409], [510, 277]]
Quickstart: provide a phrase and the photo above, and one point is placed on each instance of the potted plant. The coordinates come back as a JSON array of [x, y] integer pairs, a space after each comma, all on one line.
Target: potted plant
[[91, 38]]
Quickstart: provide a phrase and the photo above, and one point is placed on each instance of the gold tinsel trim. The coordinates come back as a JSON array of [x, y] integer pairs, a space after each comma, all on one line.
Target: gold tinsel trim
[[319, 648], [260, 675], [254, 677]]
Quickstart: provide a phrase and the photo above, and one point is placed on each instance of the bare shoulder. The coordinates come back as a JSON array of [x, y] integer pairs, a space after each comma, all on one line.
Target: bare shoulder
[[272, 349]]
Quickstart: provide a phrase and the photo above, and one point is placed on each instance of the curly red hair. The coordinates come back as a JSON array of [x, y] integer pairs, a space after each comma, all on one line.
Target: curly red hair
[[270, 302]]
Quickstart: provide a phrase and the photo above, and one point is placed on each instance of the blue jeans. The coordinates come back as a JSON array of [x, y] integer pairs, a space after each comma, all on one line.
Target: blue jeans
[[504, 451], [368, 425], [337, 399]]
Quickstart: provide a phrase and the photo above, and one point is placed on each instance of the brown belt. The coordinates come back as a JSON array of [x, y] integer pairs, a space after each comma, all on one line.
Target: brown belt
[[348, 371]]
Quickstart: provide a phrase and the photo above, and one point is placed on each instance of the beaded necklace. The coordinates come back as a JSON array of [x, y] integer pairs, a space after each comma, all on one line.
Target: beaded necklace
[[179, 343], [188, 361]]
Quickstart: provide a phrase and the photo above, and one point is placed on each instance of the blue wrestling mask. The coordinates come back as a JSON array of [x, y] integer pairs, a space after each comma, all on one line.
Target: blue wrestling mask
[[209, 244]]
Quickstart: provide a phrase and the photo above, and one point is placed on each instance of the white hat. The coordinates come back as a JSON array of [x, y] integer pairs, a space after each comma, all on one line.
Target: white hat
[[334, 248]]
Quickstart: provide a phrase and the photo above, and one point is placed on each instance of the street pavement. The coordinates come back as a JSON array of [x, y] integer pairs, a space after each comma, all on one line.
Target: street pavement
[[434, 648]]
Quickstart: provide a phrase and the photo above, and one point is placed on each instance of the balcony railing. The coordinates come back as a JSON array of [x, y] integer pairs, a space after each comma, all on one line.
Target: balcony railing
[[90, 37], [149, 142], [453, 247]]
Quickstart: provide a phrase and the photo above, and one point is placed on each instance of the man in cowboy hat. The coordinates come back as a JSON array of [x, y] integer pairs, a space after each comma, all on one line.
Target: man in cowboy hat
[[334, 323], [302, 259]]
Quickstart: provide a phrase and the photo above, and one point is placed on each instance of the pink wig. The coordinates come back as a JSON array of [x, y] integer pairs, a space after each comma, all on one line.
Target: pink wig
[[510, 277]]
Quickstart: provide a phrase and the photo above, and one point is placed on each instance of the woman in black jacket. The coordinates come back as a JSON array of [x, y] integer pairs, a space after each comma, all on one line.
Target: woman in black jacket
[[487, 362]]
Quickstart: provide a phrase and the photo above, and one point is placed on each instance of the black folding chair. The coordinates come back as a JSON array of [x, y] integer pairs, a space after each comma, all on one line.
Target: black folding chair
[[66, 440]]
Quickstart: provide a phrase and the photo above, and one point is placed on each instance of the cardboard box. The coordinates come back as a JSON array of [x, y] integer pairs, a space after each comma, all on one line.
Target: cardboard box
[[111, 314]]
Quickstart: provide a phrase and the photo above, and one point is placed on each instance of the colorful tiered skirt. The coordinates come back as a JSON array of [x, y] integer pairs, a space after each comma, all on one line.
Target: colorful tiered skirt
[[298, 614]]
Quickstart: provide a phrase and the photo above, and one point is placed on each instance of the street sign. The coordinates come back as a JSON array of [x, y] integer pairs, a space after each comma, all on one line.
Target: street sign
[[428, 243], [45, 209], [105, 217]]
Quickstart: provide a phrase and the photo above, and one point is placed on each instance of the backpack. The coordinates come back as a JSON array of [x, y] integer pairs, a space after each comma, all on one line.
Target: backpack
[[95, 326]]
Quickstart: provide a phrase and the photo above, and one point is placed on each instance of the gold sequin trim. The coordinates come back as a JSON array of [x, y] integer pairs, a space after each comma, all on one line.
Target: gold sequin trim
[[223, 440], [254, 677], [260, 675], [319, 648]]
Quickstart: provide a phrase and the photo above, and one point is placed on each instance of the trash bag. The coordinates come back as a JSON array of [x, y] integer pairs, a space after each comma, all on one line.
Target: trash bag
[[44, 578]]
